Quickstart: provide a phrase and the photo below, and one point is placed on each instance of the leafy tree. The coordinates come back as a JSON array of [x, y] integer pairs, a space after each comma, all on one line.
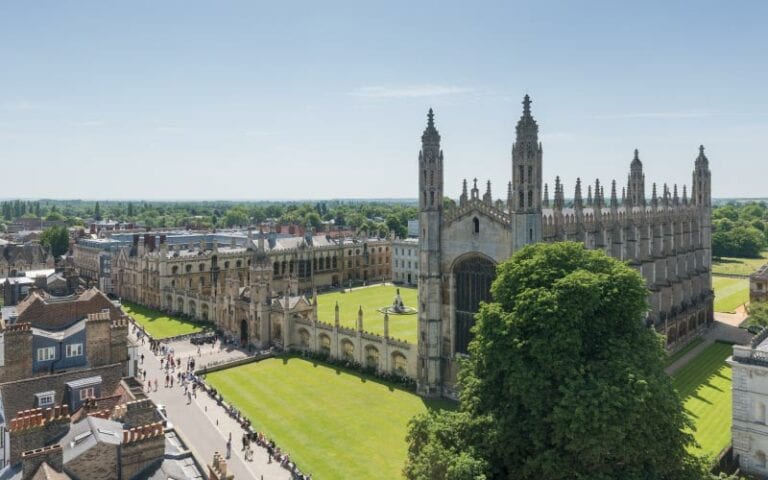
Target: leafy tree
[[56, 238], [563, 381], [54, 216], [741, 241], [97, 212], [758, 313], [236, 216]]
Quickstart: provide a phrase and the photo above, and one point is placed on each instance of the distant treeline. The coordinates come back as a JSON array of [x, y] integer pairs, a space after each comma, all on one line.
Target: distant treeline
[[740, 229], [377, 217]]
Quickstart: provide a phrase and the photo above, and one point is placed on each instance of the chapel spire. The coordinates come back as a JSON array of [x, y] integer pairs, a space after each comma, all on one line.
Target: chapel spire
[[430, 167], [526, 163]]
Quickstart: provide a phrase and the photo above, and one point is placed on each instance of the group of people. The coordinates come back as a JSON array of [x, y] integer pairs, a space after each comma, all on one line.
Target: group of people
[[273, 452]]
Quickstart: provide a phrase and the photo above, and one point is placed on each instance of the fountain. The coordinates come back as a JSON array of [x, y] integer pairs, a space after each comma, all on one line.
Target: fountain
[[398, 307]]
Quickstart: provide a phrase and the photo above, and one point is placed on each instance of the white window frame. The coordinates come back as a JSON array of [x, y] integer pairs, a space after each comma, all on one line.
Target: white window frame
[[74, 350], [45, 354], [50, 398], [87, 392]]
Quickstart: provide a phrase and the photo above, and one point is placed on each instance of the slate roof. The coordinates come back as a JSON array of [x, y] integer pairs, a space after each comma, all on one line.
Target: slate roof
[[52, 313], [89, 432]]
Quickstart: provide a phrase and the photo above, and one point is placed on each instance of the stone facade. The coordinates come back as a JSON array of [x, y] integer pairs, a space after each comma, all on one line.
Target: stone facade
[[749, 373], [151, 275], [667, 239], [758, 285], [21, 258]]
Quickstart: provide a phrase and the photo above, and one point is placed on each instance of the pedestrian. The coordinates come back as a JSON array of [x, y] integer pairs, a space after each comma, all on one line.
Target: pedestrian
[[166, 380], [142, 359], [155, 384], [189, 398], [171, 382], [229, 448]]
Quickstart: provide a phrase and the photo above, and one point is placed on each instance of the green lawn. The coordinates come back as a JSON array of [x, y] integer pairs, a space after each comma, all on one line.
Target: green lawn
[[333, 423], [679, 354], [730, 293], [371, 298], [159, 324], [738, 266], [704, 385]]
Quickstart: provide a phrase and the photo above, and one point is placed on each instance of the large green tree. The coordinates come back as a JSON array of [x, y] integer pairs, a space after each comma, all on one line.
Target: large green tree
[[56, 238], [563, 381]]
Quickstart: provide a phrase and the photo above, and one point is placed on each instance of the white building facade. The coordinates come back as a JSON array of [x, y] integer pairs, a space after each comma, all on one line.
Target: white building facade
[[405, 261], [749, 366]]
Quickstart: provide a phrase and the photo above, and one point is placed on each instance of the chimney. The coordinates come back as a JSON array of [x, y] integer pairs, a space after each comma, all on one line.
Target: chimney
[[32, 459]]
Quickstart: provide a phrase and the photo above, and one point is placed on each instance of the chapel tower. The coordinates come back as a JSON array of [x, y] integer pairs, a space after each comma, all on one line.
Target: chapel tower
[[701, 197], [429, 376], [526, 179], [636, 183]]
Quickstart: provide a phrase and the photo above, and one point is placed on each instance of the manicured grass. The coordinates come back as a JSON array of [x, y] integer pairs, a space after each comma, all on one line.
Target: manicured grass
[[159, 324], [333, 423], [371, 298], [730, 293], [704, 385], [738, 266], [679, 354]]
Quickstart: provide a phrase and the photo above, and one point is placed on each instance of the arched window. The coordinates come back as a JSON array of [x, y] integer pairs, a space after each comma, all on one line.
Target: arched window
[[522, 200], [226, 264], [201, 267], [188, 268], [760, 459], [476, 225], [530, 198], [431, 198], [530, 173], [522, 174], [239, 263]]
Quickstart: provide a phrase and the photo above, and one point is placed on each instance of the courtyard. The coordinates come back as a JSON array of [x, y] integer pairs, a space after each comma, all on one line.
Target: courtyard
[[158, 324], [371, 298], [334, 423], [704, 384]]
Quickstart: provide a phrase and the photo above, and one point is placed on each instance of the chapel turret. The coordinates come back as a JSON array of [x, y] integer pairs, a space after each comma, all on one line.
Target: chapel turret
[[636, 182], [430, 167], [526, 163]]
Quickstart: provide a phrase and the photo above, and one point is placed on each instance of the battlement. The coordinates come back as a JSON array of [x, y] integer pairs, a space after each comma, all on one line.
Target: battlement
[[37, 417], [144, 432]]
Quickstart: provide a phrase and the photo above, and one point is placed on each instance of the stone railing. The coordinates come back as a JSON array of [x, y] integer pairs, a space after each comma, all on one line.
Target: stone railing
[[743, 354]]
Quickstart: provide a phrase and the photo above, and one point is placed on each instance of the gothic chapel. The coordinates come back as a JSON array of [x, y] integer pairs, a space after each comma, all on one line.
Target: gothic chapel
[[667, 238]]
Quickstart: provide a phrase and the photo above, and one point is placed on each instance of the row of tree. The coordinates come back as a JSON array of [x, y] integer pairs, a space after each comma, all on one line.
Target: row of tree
[[375, 217], [740, 229]]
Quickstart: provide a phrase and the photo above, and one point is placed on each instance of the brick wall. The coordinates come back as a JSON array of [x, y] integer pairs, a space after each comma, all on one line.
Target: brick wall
[[18, 353], [32, 460], [142, 447], [99, 337]]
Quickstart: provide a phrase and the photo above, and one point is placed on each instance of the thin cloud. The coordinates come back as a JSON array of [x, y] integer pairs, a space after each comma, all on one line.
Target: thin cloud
[[639, 115], [21, 105], [413, 91], [87, 123]]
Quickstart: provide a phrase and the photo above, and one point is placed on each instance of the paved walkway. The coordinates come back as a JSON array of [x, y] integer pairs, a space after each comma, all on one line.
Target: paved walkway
[[203, 424], [725, 328]]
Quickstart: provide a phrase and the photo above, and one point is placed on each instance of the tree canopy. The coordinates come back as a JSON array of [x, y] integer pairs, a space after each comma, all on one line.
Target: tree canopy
[[739, 230], [56, 238], [563, 380]]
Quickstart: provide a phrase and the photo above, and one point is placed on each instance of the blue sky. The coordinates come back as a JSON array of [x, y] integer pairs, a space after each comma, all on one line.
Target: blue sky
[[285, 100]]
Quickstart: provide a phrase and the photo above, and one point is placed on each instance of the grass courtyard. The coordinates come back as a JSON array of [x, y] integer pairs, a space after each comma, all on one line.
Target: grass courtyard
[[158, 324], [333, 423], [738, 266], [371, 298], [704, 385], [730, 293]]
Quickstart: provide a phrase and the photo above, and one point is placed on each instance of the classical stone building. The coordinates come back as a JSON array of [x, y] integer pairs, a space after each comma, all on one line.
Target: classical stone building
[[16, 258], [666, 238], [749, 372], [255, 291]]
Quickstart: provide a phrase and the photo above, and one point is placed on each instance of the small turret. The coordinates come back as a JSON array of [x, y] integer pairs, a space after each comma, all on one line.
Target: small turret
[[559, 197], [545, 202], [614, 199], [336, 314], [464, 196], [654, 197], [578, 202], [487, 199], [589, 195]]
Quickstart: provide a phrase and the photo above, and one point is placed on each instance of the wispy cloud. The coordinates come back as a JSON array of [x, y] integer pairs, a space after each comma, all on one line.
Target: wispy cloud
[[642, 115], [259, 133], [412, 91]]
